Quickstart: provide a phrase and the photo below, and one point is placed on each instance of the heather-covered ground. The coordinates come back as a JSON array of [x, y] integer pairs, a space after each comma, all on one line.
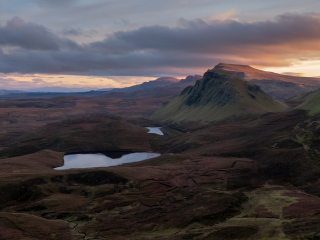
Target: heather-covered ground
[[257, 178]]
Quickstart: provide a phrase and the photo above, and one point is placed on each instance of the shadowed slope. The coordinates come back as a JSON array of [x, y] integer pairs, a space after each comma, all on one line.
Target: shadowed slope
[[219, 95]]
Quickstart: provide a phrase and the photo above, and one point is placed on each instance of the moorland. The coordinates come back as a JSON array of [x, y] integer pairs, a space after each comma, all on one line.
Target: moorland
[[239, 160]]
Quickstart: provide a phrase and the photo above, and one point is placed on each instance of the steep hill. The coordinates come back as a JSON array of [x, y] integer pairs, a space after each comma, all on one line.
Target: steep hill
[[217, 96], [278, 86]]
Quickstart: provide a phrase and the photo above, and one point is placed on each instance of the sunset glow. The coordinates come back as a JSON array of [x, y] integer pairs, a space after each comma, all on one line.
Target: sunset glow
[[303, 69], [57, 82], [45, 43]]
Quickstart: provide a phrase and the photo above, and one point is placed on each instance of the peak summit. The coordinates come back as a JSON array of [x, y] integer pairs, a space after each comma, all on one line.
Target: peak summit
[[222, 66]]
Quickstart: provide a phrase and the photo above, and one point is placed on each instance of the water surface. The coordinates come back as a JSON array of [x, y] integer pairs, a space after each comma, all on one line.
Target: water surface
[[155, 130], [101, 160]]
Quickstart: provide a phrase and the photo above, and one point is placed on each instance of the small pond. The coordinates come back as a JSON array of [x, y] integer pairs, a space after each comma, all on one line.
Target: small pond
[[101, 160], [155, 130]]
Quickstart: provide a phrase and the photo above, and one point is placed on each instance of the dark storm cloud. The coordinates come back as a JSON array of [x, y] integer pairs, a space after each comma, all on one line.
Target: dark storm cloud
[[84, 61], [31, 36], [200, 36], [155, 49]]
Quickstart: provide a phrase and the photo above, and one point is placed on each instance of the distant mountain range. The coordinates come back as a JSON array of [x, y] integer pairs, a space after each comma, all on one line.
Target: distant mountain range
[[5, 91], [32, 95], [279, 86], [217, 96], [160, 82], [161, 87], [64, 90], [165, 86]]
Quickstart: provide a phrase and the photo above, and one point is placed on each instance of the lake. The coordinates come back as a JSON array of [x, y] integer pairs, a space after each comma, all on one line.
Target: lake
[[108, 159], [155, 130], [101, 160]]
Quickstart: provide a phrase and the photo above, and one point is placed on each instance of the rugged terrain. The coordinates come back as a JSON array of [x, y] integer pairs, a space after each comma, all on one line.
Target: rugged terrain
[[249, 178], [253, 178]]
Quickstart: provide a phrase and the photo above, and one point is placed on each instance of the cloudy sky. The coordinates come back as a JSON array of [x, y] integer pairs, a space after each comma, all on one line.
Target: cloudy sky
[[90, 44]]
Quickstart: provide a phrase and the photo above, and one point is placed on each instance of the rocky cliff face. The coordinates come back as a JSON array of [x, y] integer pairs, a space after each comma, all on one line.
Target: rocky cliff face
[[213, 88]]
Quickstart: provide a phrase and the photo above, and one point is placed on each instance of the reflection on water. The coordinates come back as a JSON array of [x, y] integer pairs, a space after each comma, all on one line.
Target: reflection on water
[[155, 130], [101, 160]]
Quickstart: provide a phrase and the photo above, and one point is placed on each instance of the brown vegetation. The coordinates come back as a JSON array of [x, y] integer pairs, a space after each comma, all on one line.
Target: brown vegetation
[[243, 179]]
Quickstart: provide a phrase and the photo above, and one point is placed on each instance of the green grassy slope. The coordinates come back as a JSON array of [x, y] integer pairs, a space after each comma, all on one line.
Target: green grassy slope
[[311, 102], [219, 95]]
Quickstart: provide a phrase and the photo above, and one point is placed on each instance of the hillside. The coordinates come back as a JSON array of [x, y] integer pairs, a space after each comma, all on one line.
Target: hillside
[[310, 102], [219, 95], [279, 86]]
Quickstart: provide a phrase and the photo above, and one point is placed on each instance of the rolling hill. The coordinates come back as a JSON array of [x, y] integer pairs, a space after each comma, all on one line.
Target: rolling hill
[[218, 95]]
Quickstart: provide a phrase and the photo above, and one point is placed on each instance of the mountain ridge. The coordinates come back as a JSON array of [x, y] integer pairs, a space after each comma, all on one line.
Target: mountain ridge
[[251, 73], [159, 82], [278, 86]]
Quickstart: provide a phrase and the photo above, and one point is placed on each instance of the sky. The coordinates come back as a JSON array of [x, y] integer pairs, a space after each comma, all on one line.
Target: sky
[[94, 44]]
